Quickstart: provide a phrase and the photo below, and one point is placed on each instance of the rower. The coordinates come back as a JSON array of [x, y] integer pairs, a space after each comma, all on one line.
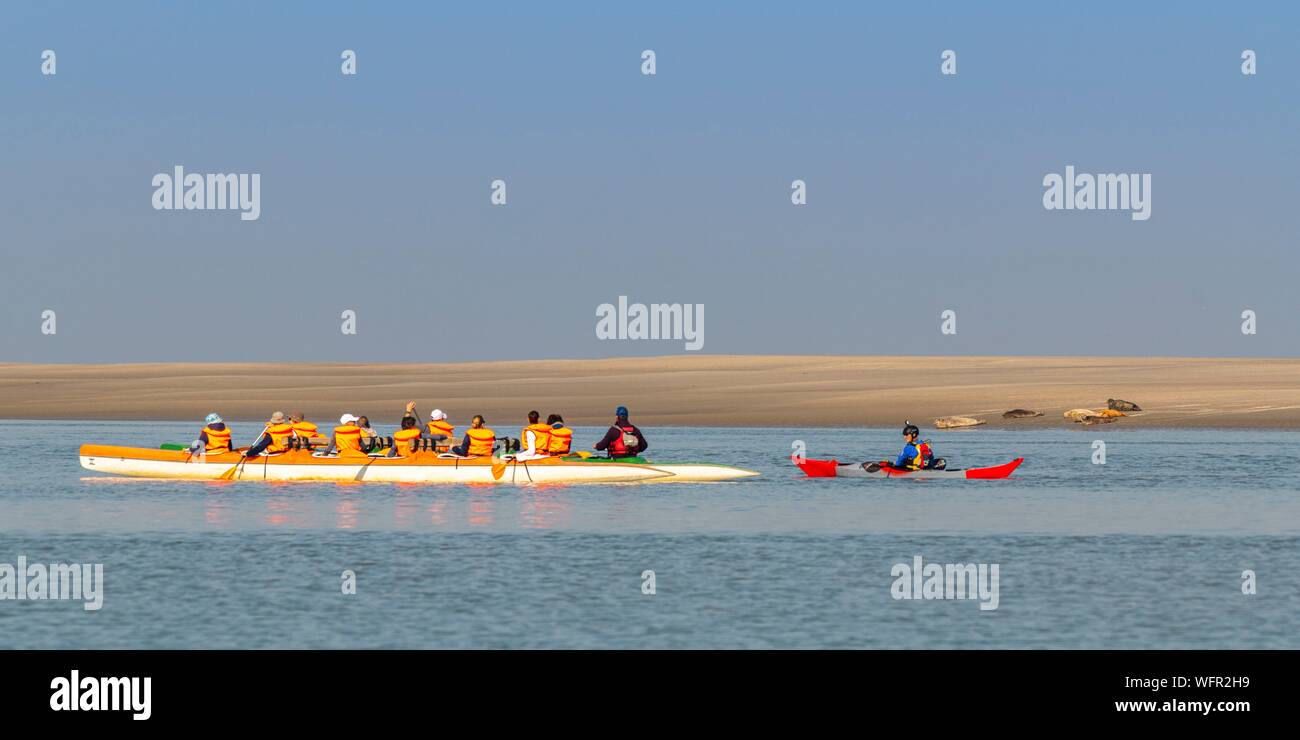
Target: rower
[[623, 438], [214, 437], [916, 454], [303, 429], [347, 438], [561, 436], [438, 428], [479, 440], [275, 437], [405, 438], [536, 437]]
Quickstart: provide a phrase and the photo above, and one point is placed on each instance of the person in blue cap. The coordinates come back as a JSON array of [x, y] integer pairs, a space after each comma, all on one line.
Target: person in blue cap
[[623, 438], [213, 438]]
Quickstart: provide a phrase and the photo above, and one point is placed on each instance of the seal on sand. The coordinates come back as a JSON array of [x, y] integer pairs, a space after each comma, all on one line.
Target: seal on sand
[[953, 422], [1116, 404], [1020, 414]]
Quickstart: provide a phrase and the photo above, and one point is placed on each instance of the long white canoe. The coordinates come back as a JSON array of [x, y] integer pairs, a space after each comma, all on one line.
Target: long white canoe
[[419, 467]]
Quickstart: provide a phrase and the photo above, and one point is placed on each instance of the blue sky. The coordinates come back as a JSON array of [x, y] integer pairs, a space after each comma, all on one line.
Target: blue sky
[[924, 191]]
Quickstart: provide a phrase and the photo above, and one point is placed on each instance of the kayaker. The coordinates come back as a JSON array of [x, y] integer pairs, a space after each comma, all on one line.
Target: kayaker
[[623, 438], [368, 435], [479, 440], [214, 437], [347, 438], [404, 437], [438, 426], [274, 438], [916, 454], [303, 429], [561, 436], [536, 438]]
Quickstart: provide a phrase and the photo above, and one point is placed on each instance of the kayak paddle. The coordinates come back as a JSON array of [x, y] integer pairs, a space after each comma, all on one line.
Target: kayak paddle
[[230, 474]]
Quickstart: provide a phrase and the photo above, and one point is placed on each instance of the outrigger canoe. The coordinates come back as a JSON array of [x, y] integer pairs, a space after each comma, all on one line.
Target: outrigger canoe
[[418, 467], [834, 469]]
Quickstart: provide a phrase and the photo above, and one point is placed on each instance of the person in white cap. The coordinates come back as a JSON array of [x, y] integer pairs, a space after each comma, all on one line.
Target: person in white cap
[[347, 437], [438, 425]]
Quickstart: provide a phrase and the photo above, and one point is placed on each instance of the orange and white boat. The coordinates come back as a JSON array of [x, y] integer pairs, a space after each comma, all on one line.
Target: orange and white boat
[[417, 467]]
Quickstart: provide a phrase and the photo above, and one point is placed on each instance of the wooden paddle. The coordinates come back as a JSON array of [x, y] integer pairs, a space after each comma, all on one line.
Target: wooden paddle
[[230, 474]]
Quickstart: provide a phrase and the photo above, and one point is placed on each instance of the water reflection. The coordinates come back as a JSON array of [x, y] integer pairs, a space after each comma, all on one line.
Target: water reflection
[[481, 507], [544, 507], [347, 512]]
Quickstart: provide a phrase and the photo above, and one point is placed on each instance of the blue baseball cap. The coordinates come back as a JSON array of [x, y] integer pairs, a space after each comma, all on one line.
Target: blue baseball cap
[[620, 411]]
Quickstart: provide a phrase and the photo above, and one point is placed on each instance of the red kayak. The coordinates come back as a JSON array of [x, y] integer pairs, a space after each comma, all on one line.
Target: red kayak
[[835, 469]]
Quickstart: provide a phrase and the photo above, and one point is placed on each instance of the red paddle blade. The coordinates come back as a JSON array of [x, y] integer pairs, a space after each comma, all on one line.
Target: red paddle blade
[[1000, 471], [816, 468]]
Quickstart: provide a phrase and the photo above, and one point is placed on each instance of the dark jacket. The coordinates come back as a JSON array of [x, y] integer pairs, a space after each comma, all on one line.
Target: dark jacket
[[614, 433]]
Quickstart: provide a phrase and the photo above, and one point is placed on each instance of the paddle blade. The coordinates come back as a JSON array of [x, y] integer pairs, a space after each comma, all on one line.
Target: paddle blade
[[498, 468]]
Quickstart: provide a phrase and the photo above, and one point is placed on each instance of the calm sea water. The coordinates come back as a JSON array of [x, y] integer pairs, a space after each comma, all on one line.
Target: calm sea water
[[1146, 550]]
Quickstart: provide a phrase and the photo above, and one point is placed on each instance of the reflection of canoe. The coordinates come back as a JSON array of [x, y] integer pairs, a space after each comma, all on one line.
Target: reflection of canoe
[[420, 467], [833, 469]]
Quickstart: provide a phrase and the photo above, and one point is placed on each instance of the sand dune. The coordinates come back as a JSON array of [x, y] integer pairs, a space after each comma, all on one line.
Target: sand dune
[[680, 390]]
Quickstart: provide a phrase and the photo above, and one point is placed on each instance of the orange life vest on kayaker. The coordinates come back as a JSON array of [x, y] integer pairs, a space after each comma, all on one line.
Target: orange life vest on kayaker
[[402, 439], [542, 434], [442, 427], [347, 440], [481, 441], [279, 434], [561, 441], [218, 439], [305, 429], [618, 446]]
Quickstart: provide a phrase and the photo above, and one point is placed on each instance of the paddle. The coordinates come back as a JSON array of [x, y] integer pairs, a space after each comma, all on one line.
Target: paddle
[[230, 474], [498, 465]]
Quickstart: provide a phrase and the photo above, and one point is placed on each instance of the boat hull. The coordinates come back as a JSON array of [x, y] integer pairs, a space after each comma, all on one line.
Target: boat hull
[[420, 467], [834, 469]]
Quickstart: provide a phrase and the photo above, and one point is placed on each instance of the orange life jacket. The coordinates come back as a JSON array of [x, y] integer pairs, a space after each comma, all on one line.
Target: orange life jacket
[[279, 434], [481, 441], [218, 440], [561, 441], [542, 432], [305, 430], [402, 439], [347, 439], [442, 427]]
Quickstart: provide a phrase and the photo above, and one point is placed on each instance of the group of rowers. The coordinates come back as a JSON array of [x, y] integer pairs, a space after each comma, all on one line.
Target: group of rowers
[[354, 437]]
